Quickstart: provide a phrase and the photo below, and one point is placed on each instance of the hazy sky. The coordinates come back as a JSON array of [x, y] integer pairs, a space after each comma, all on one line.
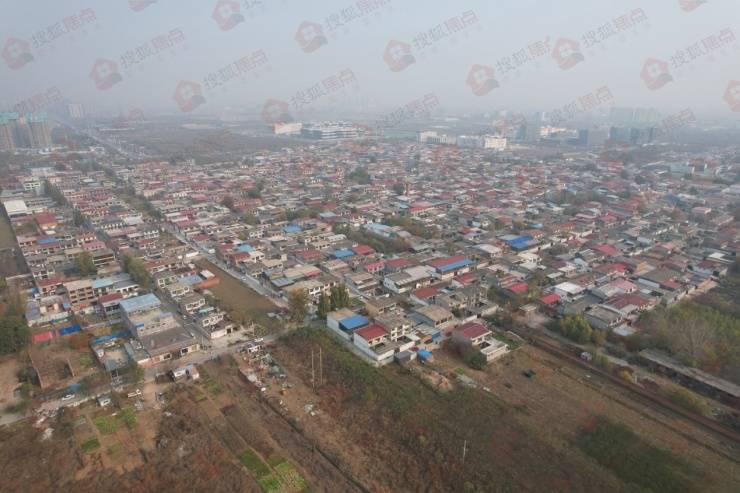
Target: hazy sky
[[695, 39]]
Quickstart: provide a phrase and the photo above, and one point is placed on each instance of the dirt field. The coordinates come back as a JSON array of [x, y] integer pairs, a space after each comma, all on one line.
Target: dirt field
[[566, 397], [211, 435], [236, 297], [9, 366], [7, 238], [11, 259], [391, 427]]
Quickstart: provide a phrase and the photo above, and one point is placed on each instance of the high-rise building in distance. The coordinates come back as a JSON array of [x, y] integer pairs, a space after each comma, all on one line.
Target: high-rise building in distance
[[30, 131]]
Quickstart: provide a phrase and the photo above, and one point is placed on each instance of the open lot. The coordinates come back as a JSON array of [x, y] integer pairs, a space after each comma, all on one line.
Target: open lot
[[368, 429], [212, 435], [235, 297], [11, 260], [390, 427]]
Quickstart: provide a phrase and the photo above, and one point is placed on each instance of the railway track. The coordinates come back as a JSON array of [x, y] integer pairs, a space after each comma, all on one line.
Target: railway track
[[704, 422]]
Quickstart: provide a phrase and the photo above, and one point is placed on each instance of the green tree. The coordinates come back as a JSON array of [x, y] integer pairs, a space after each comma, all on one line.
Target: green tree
[[298, 304], [250, 219], [558, 249], [134, 372], [3, 284], [688, 400], [78, 217], [228, 202], [339, 297], [14, 334], [576, 328], [399, 188], [474, 358], [324, 306], [360, 175], [84, 264], [54, 192], [136, 268]]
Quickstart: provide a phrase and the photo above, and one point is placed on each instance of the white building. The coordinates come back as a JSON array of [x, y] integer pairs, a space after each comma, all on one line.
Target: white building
[[494, 142]]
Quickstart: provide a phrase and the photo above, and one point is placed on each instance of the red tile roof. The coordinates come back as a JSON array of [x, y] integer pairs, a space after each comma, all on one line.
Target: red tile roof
[[471, 330], [427, 292], [109, 297], [363, 250], [396, 263], [628, 299], [372, 331], [518, 288], [439, 262], [372, 266], [550, 299], [466, 278], [609, 268], [606, 249]]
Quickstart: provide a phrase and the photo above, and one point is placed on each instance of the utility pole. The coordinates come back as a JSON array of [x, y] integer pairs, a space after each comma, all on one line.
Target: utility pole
[[321, 369], [313, 379], [465, 451]]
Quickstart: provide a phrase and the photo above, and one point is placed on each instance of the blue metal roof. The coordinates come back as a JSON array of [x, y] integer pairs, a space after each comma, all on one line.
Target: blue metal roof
[[281, 282], [139, 303], [343, 253], [292, 228], [454, 265], [191, 279], [519, 242], [101, 283], [353, 322], [377, 226], [244, 248]]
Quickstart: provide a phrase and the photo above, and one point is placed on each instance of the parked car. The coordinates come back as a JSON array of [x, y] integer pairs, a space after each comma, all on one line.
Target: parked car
[[68, 397]]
